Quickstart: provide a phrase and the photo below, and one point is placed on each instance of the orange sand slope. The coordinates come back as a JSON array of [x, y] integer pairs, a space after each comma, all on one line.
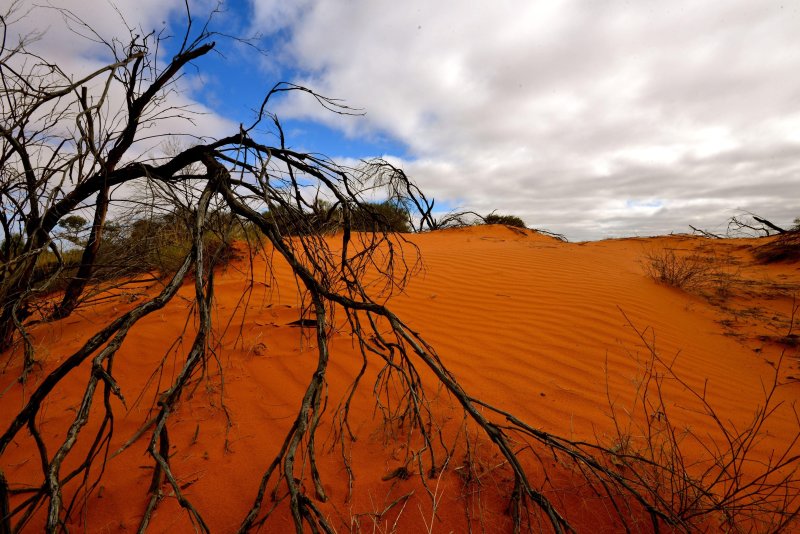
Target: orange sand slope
[[556, 333]]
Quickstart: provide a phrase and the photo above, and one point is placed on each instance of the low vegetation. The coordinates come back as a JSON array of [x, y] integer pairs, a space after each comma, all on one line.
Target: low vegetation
[[783, 248], [709, 479], [684, 271], [733, 284], [508, 220]]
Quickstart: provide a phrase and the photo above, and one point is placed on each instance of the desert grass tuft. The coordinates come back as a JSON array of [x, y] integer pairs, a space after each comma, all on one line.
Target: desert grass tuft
[[686, 272]]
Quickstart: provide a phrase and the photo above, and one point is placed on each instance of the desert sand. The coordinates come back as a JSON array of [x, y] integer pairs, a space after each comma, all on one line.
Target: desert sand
[[556, 333]]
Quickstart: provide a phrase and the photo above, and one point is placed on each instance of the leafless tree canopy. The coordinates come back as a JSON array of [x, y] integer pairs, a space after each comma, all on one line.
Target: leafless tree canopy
[[70, 141]]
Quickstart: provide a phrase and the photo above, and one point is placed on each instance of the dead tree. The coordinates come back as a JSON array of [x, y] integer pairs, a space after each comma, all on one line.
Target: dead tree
[[50, 172], [751, 224]]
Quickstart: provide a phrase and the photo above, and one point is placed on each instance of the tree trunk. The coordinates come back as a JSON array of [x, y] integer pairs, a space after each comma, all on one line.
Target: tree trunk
[[76, 286], [769, 224], [12, 295], [5, 517], [6, 328]]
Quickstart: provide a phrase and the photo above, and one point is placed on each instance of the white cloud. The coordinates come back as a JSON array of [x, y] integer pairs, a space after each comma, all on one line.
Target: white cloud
[[576, 116], [70, 31], [65, 39], [570, 114]]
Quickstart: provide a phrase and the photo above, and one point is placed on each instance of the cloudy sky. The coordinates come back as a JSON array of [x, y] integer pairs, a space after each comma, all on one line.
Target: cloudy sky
[[588, 118]]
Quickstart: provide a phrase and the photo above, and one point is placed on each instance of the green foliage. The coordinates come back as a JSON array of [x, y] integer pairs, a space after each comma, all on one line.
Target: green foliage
[[160, 243], [290, 220], [47, 263], [380, 217], [508, 220], [157, 244], [326, 218], [11, 248], [73, 223]]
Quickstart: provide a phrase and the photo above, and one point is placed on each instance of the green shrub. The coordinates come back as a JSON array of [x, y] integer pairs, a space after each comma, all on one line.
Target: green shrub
[[384, 216], [11, 248], [508, 220], [160, 243]]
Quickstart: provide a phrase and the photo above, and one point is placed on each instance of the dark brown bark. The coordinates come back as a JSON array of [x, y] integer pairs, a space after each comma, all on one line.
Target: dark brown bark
[[78, 284], [769, 224], [5, 517]]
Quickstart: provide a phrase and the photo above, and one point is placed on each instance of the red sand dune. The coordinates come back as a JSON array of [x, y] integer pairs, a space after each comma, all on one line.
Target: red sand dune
[[544, 329]]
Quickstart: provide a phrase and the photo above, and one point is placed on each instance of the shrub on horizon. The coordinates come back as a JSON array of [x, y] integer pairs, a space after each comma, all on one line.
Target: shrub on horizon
[[386, 216], [508, 220]]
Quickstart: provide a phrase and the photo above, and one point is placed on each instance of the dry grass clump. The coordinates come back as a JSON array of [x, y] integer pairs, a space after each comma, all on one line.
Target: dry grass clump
[[712, 477], [785, 248], [684, 272], [708, 275]]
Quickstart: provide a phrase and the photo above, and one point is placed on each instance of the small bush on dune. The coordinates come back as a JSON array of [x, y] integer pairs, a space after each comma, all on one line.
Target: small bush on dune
[[785, 248], [683, 272], [386, 216], [11, 248], [381, 217], [160, 243], [292, 221], [155, 245], [508, 220]]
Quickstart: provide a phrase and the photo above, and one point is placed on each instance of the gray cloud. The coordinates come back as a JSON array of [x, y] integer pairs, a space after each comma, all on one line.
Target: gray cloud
[[595, 119]]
